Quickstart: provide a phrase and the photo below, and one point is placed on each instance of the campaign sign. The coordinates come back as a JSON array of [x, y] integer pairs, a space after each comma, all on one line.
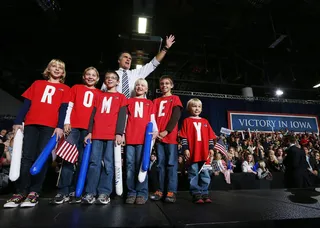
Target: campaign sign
[[269, 122]]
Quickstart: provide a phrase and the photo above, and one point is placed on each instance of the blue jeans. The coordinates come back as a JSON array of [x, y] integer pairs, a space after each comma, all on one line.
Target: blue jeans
[[101, 181], [134, 156], [35, 139], [69, 172], [199, 183], [168, 160]]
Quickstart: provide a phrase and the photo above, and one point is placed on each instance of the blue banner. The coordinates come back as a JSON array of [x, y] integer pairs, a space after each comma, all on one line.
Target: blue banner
[[269, 122]]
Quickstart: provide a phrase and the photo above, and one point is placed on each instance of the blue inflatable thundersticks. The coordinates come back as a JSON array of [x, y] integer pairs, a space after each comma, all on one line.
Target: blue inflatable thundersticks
[[147, 147], [83, 169], [43, 157]]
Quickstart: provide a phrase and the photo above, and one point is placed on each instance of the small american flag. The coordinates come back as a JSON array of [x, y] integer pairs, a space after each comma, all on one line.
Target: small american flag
[[67, 151], [221, 148]]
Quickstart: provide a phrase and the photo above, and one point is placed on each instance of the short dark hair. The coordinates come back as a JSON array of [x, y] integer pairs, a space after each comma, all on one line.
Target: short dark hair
[[166, 77], [291, 139], [121, 53], [113, 72]]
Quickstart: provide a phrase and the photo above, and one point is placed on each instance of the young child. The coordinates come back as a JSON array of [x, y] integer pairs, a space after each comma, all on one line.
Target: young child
[[43, 114], [76, 127], [106, 128], [197, 142], [140, 113], [168, 111]]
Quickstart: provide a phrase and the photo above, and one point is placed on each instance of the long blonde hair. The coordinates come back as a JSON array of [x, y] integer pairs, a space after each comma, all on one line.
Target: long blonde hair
[[46, 72]]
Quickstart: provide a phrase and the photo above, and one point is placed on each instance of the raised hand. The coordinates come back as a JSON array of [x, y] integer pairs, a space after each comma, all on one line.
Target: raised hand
[[170, 41]]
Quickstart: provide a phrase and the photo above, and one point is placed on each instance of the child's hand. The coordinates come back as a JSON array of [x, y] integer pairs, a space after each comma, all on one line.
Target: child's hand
[[16, 128], [88, 137], [187, 154], [58, 132], [67, 129], [154, 134], [162, 134], [118, 139], [123, 138]]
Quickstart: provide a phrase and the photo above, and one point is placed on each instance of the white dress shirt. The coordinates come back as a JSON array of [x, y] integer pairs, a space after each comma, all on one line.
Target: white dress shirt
[[135, 74]]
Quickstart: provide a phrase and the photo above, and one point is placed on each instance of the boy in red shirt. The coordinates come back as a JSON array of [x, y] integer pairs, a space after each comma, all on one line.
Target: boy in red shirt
[[76, 127], [106, 128], [43, 113], [168, 111], [140, 113], [197, 145]]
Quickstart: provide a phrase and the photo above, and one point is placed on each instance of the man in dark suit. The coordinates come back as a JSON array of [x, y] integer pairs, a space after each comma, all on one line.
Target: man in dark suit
[[296, 166]]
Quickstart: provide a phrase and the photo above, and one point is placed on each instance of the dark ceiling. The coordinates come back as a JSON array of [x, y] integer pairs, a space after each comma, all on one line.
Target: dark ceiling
[[221, 45]]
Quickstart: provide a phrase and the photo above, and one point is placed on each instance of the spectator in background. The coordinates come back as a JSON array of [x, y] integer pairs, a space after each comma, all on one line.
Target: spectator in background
[[312, 165], [280, 155], [247, 165], [153, 180], [3, 133]]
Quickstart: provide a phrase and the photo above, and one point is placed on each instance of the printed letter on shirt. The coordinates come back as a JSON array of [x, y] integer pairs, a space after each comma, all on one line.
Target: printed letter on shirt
[[138, 109], [198, 129], [87, 99], [47, 94], [161, 108], [106, 105]]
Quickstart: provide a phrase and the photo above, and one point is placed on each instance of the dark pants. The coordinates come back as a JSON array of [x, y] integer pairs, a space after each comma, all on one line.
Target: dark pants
[[69, 171], [35, 139]]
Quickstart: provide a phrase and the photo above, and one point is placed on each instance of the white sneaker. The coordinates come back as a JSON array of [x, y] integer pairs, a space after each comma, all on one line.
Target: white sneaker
[[88, 199], [31, 200], [103, 199], [14, 201]]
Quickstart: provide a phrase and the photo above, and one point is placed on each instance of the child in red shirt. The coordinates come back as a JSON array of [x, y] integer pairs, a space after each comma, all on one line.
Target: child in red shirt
[[76, 127], [197, 145], [43, 114], [140, 113], [106, 128], [168, 111]]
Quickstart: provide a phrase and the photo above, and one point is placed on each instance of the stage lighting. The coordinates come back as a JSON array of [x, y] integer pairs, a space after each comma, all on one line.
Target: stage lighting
[[316, 86], [279, 92], [142, 25]]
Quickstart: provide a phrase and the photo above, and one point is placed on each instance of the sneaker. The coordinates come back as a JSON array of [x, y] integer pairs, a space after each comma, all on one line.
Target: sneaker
[[14, 201], [130, 199], [206, 199], [170, 198], [60, 199], [74, 199], [140, 200], [31, 200], [156, 196], [197, 199], [103, 199], [88, 199]]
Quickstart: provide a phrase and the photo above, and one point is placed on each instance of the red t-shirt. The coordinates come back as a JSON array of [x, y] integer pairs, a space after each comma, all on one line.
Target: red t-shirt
[[139, 112], [83, 99], [46, 99], [105, 120], [163, 109], [198, 132]]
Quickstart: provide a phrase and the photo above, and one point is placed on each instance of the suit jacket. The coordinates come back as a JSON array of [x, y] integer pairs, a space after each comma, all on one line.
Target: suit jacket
[[296, 172]]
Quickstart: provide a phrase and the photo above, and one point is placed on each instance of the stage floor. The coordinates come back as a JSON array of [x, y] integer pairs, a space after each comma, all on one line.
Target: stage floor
[[239, 208]]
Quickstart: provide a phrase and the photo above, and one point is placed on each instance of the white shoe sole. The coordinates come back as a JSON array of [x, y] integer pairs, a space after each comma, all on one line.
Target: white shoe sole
[[103, 202], [28, 204], [10, 205]]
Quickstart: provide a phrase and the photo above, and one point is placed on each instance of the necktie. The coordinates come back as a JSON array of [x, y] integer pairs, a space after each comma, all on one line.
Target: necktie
[[125, 84]]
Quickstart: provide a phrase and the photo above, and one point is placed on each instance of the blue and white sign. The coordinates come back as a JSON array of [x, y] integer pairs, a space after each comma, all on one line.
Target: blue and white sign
[[269, 122]]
